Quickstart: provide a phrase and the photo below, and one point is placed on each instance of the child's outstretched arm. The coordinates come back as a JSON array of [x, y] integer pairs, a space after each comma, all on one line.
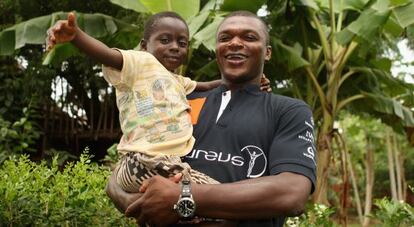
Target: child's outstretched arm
[[205, 86], [68, 31]]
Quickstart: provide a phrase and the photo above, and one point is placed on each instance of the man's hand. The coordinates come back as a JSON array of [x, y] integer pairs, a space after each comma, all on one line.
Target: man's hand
[[63, 31], [119, 197], [265, 84], [155, 206]]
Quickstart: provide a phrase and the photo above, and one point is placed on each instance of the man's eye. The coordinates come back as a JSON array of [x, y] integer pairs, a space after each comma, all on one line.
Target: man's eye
[[250, 38], [223, 38]]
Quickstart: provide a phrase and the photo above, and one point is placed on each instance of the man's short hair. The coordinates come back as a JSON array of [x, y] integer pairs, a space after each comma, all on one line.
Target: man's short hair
[[244, 13]]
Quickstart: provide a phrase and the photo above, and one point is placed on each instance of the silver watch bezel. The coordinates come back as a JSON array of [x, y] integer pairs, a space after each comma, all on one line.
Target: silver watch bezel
[[180, 202]]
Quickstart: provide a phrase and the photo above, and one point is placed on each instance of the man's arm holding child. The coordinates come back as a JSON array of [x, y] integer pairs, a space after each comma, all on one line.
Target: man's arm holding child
[[264, 197], [68, 31]]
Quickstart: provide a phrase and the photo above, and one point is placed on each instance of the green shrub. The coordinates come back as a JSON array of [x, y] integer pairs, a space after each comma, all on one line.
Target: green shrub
[[394, 213], [317, 215], [37, 195], [16, 137]]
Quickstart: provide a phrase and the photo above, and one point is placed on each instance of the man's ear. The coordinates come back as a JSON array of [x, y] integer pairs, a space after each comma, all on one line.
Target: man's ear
[[268, 53], [143, 45]]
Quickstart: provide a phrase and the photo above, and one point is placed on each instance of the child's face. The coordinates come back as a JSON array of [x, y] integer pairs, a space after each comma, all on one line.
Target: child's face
[[168, 43]]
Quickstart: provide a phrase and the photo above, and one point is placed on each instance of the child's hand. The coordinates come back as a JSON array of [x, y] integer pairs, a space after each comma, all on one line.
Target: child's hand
[[63, 31], [265, 84]]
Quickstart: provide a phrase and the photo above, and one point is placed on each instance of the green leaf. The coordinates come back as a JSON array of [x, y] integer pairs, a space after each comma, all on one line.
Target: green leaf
[[365, 27], [341, 5], [404, 14], [356, 5], [59, 53], [393, 28], [382, 64], [250, 5], [308, 3], [7, 42], [291, 56], [207, 36], [135, 5], [34, 30], [211, 5], [391, 106], [196, 22], [210, 69], [410, 32], [399, 2], [186, 9]]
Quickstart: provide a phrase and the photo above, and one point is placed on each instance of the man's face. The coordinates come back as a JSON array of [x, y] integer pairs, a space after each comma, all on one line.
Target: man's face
[[241, 49], [168, 43]]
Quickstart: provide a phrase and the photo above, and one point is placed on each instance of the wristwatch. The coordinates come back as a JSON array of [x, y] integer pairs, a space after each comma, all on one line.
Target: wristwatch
[[185, 205]]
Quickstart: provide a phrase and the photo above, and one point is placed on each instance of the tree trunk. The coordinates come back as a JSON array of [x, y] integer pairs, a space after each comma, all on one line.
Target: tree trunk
[[391, 167], [355, 188], [343, 208], [370, 175], [398, 169], [324, 158]]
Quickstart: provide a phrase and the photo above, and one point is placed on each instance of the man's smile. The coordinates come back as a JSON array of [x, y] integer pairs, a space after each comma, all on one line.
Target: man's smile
[[236, 58]]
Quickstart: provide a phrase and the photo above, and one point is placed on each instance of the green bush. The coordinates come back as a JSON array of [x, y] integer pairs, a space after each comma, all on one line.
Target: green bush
[[16, 137], [37, 195], [394, 213], [317, 215]]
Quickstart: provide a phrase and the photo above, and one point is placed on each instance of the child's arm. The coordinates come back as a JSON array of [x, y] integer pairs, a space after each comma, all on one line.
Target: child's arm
[[67, 31], [205, 86]]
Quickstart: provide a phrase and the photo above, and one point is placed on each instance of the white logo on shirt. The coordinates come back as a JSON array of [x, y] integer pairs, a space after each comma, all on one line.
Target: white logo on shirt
[[257, 163], [309, 138]]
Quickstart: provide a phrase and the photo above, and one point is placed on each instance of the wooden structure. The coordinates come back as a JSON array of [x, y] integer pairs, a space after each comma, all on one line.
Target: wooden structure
[[97, 123]]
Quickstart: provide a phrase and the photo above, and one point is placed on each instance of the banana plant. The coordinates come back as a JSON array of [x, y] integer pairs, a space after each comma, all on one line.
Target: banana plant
[[331, 56]]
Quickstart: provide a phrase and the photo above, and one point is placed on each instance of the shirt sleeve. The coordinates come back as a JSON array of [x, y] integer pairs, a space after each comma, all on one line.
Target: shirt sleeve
[[134, 62], [293, 147], [188, 84]]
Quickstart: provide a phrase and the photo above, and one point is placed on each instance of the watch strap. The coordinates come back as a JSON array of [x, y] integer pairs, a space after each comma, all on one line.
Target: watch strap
[[186, 188]]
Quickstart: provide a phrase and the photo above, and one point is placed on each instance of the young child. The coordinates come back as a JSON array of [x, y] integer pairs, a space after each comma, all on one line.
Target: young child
[[153, 110]]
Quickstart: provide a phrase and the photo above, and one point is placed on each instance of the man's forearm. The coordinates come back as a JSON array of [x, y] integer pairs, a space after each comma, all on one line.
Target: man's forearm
[[265, 197], [97, 50]]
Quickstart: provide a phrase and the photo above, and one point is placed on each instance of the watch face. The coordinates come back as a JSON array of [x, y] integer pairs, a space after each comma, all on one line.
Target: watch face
[[186, 207]]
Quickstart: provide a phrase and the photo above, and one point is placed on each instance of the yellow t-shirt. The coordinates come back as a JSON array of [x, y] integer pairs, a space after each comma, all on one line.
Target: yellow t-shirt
[[152, 104]]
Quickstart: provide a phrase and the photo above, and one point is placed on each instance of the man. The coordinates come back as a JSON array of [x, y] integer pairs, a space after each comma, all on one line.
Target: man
[[258, 145]]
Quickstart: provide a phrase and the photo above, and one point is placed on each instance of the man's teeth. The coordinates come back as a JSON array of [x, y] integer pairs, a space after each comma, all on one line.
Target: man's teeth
[[235, 57]]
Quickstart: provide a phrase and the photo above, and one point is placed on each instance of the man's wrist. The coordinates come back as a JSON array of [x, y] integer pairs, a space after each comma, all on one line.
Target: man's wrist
[[185, 206]]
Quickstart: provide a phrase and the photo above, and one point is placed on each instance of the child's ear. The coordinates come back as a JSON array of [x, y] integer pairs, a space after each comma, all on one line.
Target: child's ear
[[143, 45]]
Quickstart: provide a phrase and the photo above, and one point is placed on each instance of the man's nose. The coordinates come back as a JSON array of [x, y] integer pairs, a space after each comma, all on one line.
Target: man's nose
[[235, 42]]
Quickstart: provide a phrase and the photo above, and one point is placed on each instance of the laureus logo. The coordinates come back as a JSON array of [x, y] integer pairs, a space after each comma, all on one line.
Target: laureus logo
[[257, 163]]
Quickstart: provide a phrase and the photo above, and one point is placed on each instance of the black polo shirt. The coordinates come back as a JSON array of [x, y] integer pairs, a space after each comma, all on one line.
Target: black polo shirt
[[258, 134]]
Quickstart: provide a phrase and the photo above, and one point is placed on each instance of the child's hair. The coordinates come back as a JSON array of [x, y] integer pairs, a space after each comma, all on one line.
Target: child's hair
[[153, 20]]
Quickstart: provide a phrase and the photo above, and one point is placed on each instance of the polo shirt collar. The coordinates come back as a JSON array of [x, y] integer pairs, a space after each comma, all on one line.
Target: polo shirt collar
[[252, 89]]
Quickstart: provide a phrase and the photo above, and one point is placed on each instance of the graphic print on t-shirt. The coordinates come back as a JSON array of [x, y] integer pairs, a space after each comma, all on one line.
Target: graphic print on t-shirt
[[257, 161], [251, 158], [309, 138]]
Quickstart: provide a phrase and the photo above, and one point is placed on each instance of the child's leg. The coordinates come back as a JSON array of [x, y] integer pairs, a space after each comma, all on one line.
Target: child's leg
[[137, 167], [131, 173], [168, 166]]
